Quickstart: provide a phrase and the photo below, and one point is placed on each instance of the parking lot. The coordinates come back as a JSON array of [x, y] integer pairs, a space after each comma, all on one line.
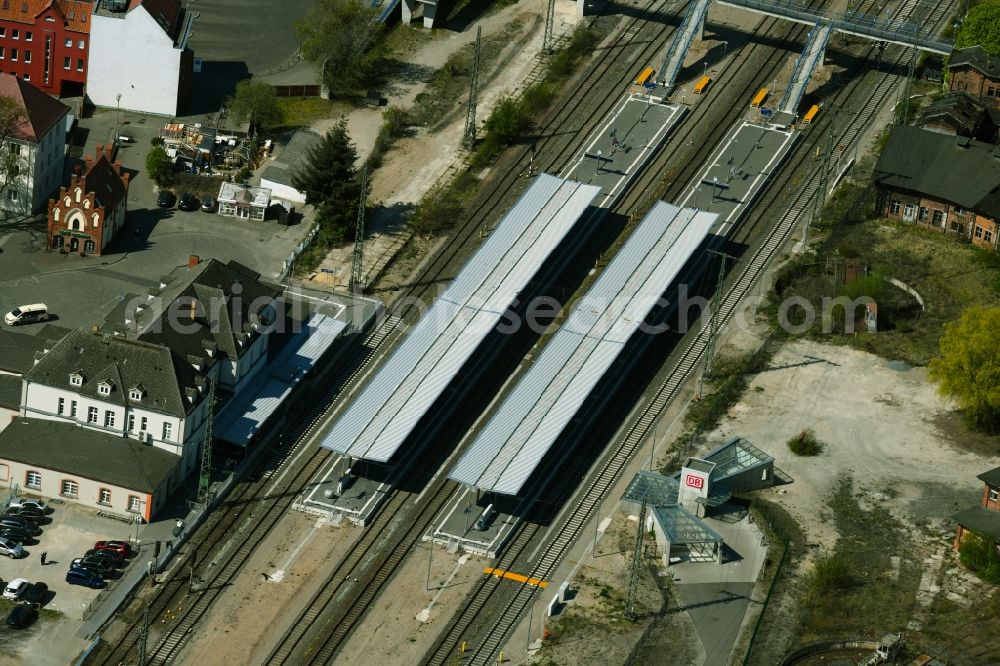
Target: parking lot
[[81, 290]]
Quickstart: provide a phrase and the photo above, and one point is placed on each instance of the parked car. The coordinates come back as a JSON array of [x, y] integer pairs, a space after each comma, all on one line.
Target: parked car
[[188, 202], [35, 593], [94, 564], [26, 513], [26, 314], [15, 589], [115, 546], [10, 548], [22, 615], [76, 576], [208, 204], [166, 199], [110, 556], [23, 523], [16, 534], [28, 503]]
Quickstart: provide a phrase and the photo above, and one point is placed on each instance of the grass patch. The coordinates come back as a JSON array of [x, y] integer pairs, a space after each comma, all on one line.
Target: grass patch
[[854, 591], [965, 635], [304, 111], [805, 444], [979, 554]]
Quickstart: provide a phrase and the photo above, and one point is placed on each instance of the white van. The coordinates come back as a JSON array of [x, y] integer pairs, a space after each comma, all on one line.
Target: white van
[[27, 314]]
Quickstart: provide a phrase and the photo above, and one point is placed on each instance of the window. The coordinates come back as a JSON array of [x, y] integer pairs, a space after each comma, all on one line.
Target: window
[[133, 503], [27, 36], [69, 43], [15, 34], [13, 55], [12, 195], [135, 394], [72, 408], [79, 64], [79, 44], [923, 214], [27, 77], [27, 56], [994, 494], [131, 422], [3, 32], [894, 208], [92, 415], [979, 231], [938, 218], [959, 210], [167, 428], [1, 53], [988, 236], [69, 488], [109, 419], [61, 407], [76, 379], [104, 496], [143, 423], [958, 227], [33, 480], [65, 63], [104, 388]]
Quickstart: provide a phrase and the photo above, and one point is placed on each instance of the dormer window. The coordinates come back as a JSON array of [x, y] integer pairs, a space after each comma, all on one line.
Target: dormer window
[[136, 393], [104, 388], [76, 379]]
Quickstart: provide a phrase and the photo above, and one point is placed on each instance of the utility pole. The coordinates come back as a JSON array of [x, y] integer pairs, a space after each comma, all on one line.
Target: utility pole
[[143, 636], [824, 179], [550, 18], [713, 318], [205, 479], [470, 117], [356, 285], [903, 100]]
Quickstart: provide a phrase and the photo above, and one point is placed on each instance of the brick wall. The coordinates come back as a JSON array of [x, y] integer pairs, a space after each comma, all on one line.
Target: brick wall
[[973, 81]]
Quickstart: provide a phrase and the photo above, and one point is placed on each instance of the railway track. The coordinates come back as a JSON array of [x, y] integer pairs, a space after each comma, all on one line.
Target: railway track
[[738, 287]]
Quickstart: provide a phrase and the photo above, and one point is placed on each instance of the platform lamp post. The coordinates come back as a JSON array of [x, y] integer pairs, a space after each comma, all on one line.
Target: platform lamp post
[[118, 116], [725, 49]]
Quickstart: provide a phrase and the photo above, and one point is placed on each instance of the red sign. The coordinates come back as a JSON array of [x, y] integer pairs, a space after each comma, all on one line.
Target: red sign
[[694, 481]]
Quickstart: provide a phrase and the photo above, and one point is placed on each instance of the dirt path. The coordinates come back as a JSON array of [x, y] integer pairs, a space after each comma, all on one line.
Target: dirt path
[[417, 163]]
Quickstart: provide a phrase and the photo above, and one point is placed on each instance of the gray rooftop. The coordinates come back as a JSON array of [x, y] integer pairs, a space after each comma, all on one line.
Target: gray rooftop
[[960, 170], [980, 520], [991, 477], [10, 391], [94, 455], [681, 526], [17, 350], [123, 363], [976, 57], [277, 174]]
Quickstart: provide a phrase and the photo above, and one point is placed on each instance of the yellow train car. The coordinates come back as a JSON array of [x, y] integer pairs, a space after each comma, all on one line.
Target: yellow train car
[[758, 99], [702, 84], [811, 114], [645, 76]]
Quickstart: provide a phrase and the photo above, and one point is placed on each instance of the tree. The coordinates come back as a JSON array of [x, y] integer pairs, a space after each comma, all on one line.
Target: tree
[[341, 37], [968, 369], [330, 182], [981, 27], [12, 162], [159, 166], [256, 102]]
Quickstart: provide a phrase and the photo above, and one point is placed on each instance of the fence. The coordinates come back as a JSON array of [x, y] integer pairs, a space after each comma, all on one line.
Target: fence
[[766, 516]]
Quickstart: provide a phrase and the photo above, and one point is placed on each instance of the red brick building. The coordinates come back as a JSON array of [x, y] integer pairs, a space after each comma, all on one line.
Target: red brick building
[[91, 210], [976, 72], [45, 42], [984, 518], [945, 183]]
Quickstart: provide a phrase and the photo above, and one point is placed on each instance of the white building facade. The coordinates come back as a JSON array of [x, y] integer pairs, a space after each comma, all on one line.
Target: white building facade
[[138, 58]]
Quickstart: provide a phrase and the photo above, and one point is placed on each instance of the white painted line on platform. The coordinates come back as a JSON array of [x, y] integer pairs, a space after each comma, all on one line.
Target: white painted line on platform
[[278, 575], [425, 614]]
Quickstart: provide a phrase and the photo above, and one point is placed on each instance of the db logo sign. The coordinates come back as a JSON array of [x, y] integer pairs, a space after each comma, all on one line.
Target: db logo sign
[[694, 481]]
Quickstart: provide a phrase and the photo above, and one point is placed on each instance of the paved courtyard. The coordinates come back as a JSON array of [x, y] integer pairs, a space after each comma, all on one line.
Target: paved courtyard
[[81, 290]]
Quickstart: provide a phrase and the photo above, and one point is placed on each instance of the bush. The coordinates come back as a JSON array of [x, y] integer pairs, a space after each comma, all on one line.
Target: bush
[[831, 574], [979, 553], [159, 166], [243, 175], [156, 141], [805, 444], [436, 211]]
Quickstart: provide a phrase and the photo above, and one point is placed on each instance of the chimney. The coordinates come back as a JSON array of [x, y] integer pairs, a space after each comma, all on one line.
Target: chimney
[[109, 151], [98, 151], [193, 260], [194, 308], [118, 166]]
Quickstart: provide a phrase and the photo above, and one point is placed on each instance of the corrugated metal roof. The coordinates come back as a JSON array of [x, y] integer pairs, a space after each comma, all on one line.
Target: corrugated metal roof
[[243, 416], [534, 413], [377, 422]]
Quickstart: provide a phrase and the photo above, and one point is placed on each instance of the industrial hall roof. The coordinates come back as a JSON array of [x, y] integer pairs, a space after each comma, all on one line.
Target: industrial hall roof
[[955, 169], [388, 408], [98, 456], [535, 412]]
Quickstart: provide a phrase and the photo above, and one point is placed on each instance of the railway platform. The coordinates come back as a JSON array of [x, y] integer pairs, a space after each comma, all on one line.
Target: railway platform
[[464, 524], [340, 496], [619, 147], [737, 170]]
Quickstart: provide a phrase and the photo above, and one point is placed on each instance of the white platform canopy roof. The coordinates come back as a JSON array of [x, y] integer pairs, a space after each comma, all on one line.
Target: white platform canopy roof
[[388, 408], [531, 417]]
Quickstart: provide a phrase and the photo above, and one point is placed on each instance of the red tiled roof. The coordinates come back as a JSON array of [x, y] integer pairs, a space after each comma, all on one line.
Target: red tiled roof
[[22, 11], [164, 12], [27, 11], [77, 14], [41, 110]]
